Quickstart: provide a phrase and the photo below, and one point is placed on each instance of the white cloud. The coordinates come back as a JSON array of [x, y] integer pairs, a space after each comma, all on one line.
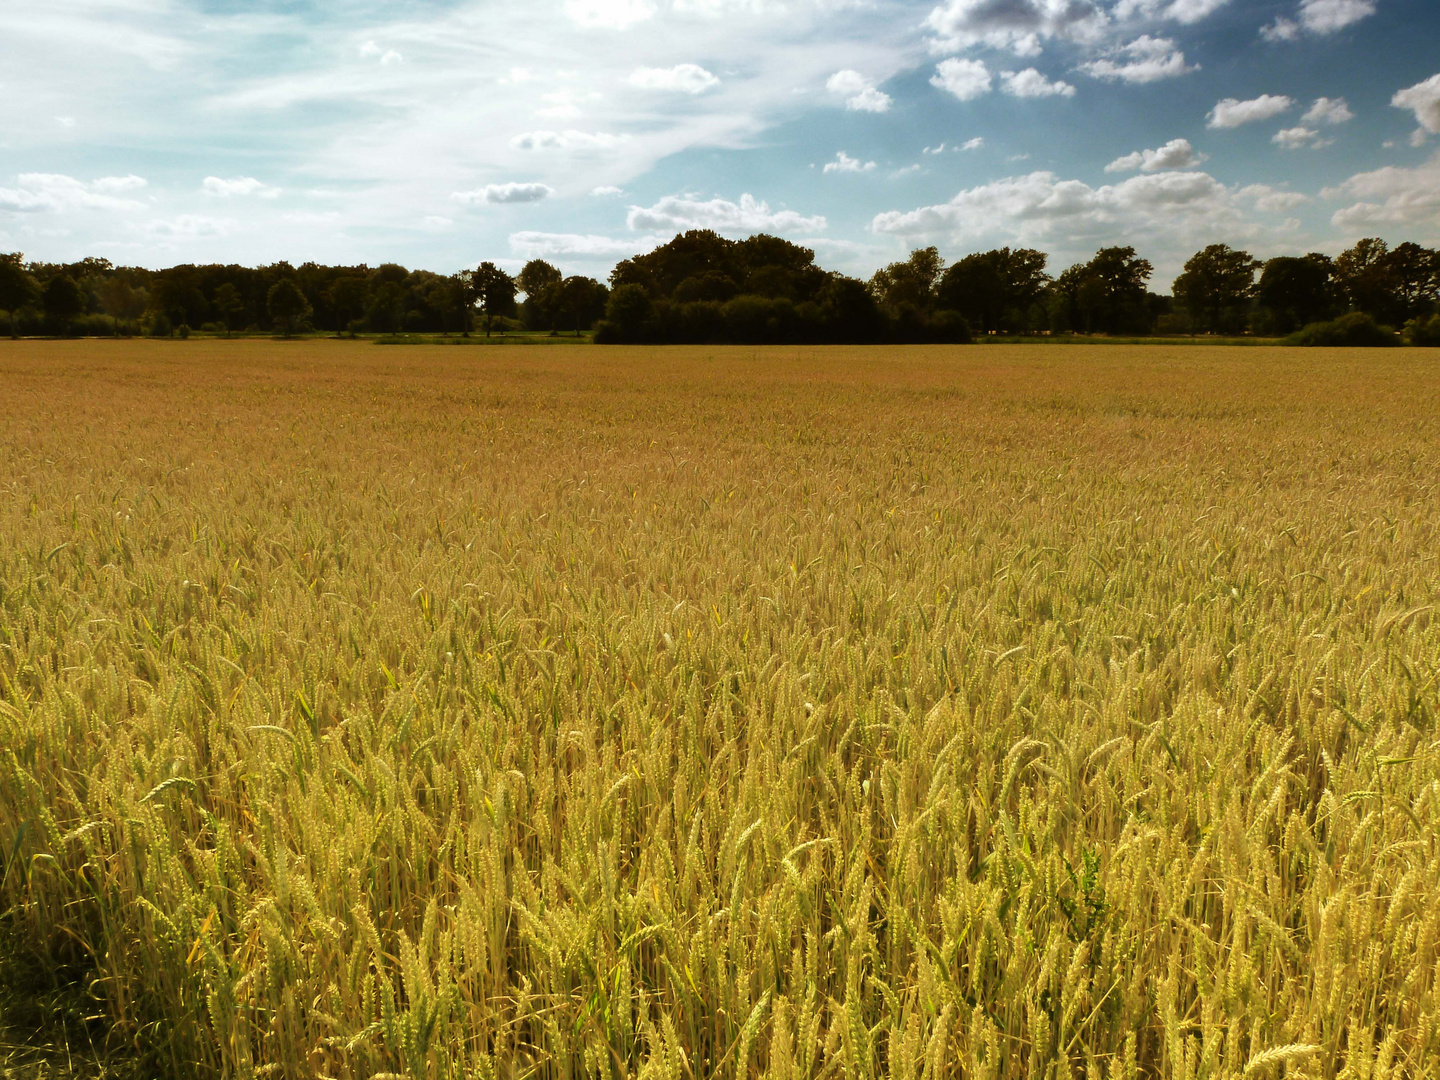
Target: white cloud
[[1328, 111], [966, 79], [1418, 138], [435, 223], [1145, 60], [1327, 16], [1298, 138], [1271, 200], [1282, 29], [934, 149], [240, 185], [119, 183], [187, 227], [567, 140], [1231, 113], [606, 191], [609, 14], [845, 163], [57, 193], [1021, 26], [1181, 11], [1424, 100], [65, 121], [1176, 154], [1166, 215], [1318, 17], [544, 245], [973, 144], [1031, 84], [1391, 198], [681, 212], [682, 78], [388, 57], [860, 93], [505, 193]]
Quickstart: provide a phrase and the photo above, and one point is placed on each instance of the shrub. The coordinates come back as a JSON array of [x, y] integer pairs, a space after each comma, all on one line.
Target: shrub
[[1356, 330], [1422, 331]]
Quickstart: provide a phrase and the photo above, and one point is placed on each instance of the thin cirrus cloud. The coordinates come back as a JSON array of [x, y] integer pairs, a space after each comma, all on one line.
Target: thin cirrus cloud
[[567, 140], [859, 92], [1233, 113], [549, 245], [680, 79], [1176, 154], [512, 192]]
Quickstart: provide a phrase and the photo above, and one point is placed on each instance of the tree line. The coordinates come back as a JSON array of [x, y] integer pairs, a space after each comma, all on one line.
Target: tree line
[[704, 288]]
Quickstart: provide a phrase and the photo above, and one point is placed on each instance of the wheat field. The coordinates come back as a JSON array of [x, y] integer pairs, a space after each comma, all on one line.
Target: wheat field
[[980, 712]]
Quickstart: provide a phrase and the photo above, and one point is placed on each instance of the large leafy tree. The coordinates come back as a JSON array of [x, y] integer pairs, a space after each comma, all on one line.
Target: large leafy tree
[[229, 305], [287, 306], [582, 301], [995, 290], [1297, 291], [63, 301], [1115, 285], [911, 283], [538, 280], [1413, 274], [494, 293], [1216, 282], [17, 288]]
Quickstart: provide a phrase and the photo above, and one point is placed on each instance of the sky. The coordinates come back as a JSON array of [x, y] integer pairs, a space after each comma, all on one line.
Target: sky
[[440, 133]]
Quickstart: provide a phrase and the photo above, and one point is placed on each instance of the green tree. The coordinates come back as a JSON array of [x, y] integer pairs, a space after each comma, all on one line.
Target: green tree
[[1115, 288], [346, 296], [1413, 274], [17, 288], [537, 280], [1215, 283], [494, 292], [63, 301], [287, 306], [1363, 277], [1297, 291], [994, 290], [910, 283], [582, 301], [229, 305], [123, 302]]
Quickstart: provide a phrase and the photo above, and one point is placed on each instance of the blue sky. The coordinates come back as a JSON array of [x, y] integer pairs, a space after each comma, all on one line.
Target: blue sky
[[438, 133]]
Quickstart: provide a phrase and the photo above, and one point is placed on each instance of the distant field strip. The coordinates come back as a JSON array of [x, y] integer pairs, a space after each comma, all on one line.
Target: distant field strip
[[790, 713]]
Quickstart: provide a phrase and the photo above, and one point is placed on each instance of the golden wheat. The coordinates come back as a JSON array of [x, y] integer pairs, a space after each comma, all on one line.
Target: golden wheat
[[725, 713]]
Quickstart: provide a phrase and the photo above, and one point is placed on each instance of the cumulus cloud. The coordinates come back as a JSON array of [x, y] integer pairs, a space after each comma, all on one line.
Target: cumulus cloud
[[966, 79], [1181, 11], [505, 193], [1031, 84], [1318, 17], [546, 245], [187, 227], [677, 213], [972, 144], [1169, 213], [237, 186], [1174, 155], [845, 163], [1272, 200], [1298, 138], [1423, 99], [1021, 26], [606, 191], [1391, 198], [1232, 113], [567, 140], [57, 193], [860, 93], [1145, 60], [1328, 111], [387, 57], [680, 79]]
